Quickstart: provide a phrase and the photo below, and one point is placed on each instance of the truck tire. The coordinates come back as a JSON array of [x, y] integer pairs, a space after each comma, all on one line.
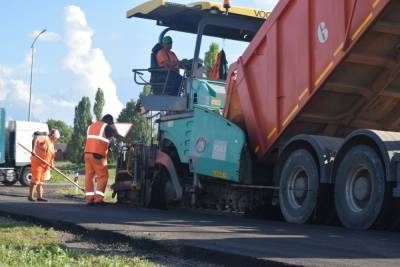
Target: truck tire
[[360, 193], [9, 183], [299, 184], [26, 176]]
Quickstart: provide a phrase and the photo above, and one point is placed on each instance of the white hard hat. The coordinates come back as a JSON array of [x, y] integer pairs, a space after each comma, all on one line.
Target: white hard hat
[[55, 133]]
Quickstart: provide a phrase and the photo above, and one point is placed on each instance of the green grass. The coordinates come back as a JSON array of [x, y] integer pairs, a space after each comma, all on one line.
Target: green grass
[[67, 168], [67, 165], [24, 244]]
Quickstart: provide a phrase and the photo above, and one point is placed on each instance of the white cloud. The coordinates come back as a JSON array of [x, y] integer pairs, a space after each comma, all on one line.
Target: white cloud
[[21, 89], [87, 63], [62, 103], [14, 94], [3, 91], [46, 36]]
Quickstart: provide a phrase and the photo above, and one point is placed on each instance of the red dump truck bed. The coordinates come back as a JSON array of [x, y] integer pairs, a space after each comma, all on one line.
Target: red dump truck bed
[[318, 67]]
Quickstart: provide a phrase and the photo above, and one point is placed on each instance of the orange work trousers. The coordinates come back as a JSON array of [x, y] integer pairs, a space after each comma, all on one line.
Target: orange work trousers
[[95, 167], [39, 170]]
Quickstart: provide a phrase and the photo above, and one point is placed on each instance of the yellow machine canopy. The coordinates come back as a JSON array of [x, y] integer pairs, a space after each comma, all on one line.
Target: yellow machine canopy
[[187, 17]]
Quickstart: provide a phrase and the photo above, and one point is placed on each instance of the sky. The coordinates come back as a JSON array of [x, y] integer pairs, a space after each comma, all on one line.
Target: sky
[[88, 44]]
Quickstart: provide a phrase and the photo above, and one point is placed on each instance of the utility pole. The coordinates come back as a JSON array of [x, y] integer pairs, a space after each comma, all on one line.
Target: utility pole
[[30, 86]]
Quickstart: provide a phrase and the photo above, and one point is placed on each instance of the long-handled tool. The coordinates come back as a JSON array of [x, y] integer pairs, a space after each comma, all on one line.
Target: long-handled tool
[[53, 168]]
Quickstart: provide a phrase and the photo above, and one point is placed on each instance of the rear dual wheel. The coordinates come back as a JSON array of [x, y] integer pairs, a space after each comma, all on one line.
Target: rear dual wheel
[[362, 198], [9, 182]]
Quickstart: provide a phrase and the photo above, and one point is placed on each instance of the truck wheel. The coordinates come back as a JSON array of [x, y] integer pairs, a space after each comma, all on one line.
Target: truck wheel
[[299, 183], [360, 188], [26, 177], [8, 182]]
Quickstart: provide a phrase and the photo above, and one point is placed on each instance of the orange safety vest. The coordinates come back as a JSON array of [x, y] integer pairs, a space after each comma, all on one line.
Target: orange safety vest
[[44, 148], [96, 140], [164, 55]]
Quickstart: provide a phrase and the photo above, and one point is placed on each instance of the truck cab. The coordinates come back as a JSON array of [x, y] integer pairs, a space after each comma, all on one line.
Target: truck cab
[[14, 160]]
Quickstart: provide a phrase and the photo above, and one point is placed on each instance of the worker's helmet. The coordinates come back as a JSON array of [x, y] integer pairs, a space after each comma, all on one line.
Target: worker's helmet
[[108, 119], [55, 133], [167, 40]]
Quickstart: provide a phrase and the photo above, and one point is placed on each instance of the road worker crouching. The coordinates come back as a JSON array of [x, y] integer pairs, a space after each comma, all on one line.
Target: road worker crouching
[[43, 146], [98, 138]]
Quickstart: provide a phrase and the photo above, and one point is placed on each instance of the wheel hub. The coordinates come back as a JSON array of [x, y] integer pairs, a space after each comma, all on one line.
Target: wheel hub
[[358, 190], [298, 185], [361, 188]]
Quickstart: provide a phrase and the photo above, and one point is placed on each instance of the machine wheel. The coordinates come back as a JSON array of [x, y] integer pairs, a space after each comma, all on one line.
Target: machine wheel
[[26, 177], [360, 192], [299, 183], [157, 198]]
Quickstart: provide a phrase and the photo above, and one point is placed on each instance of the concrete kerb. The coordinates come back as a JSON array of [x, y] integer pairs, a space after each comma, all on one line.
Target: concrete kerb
[[144, 245]]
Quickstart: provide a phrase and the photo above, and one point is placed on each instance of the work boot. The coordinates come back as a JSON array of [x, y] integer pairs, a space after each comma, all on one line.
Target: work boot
[[31, 199], [42, 199]]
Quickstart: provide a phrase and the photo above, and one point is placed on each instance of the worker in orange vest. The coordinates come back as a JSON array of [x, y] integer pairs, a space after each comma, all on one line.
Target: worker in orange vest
[[43, 146], [98, 138], [168, 60]]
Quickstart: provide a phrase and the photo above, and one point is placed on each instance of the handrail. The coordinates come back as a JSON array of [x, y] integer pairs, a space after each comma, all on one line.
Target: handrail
[[138, 74]]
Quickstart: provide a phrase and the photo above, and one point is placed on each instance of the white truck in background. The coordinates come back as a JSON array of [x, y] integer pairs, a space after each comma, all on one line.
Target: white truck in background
[[15, 163]]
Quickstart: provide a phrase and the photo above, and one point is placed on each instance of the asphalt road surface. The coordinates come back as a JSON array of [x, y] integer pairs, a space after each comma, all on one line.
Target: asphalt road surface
[[262, 240]]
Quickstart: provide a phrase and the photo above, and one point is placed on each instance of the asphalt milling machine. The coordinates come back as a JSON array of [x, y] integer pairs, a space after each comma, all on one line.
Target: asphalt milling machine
[[307, 119]]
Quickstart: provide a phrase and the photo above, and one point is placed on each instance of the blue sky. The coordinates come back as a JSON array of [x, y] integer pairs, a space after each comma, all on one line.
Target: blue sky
[[87, 44]]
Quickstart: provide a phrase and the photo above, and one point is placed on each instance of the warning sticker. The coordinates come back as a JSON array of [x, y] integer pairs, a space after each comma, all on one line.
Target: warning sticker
[[219, 150], [322, 32]]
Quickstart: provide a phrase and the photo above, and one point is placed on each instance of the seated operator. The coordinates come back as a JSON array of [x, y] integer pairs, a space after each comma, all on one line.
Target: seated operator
[[167, 59]]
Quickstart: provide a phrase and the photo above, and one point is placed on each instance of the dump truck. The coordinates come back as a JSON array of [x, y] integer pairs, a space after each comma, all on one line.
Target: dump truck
[[307, 119], [15, 163]]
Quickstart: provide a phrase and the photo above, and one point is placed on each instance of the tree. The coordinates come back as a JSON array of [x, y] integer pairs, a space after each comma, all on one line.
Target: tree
[[82, 120], [64, 129], [146, 90], [141, 130], [211, 57], [98, 104]]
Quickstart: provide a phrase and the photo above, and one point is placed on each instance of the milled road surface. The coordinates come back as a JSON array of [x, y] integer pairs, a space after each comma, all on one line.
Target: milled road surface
[[268, 242]]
